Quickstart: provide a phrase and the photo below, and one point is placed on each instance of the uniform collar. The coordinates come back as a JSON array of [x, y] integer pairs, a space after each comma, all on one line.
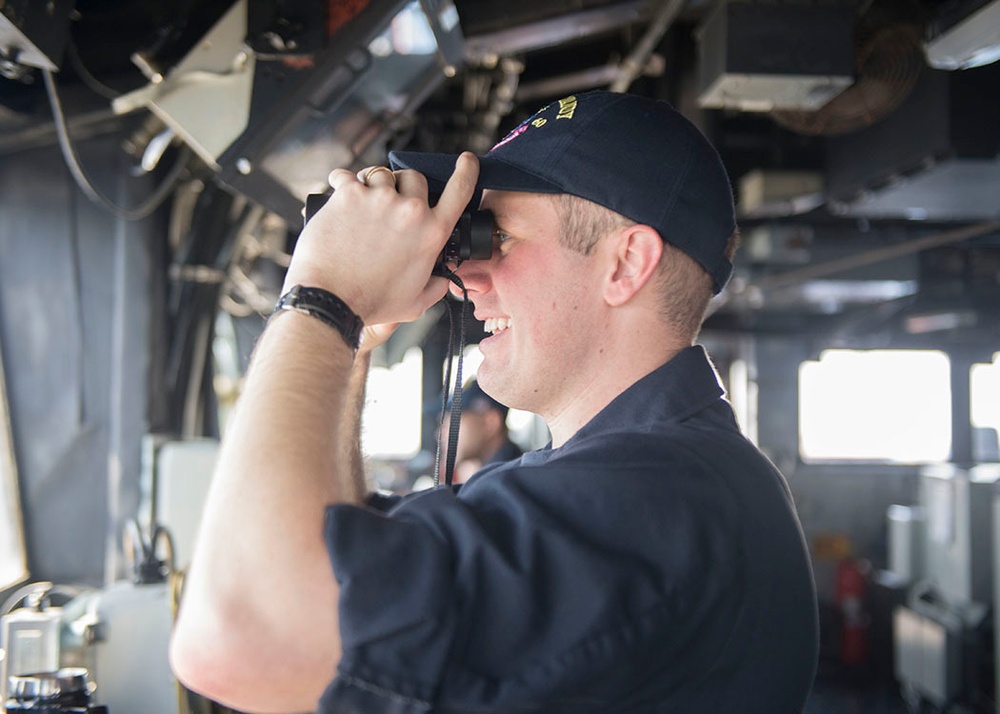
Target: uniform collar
[[678, 389]]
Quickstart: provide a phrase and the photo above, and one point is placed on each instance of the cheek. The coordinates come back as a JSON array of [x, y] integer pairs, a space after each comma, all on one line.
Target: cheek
[[560, 324], [549, 299], [535, 272]]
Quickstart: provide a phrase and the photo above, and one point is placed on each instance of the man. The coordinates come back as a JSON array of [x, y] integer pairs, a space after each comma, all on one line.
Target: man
[[648, 560], [483, 438]]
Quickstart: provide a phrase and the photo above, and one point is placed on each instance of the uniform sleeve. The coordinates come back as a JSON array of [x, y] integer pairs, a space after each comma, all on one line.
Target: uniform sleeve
[[520, 590], [396, 577]]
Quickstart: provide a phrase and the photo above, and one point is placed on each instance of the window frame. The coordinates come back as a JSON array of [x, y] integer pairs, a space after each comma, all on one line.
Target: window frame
[[867, 459], [11, 517]]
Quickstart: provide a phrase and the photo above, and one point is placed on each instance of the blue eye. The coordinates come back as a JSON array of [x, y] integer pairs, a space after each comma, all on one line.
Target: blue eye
[[500, 237]]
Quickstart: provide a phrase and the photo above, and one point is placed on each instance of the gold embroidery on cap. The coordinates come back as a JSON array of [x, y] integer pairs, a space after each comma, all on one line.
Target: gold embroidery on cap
[[566, 108]]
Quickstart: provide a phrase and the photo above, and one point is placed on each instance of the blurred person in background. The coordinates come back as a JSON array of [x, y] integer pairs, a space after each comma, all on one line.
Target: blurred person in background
[[483, 437]]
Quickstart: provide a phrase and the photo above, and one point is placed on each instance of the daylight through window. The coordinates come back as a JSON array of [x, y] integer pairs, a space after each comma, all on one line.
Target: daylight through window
[[875, 405]]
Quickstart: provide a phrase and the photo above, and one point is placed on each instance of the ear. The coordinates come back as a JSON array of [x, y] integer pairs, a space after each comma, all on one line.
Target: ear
[[637, 250]]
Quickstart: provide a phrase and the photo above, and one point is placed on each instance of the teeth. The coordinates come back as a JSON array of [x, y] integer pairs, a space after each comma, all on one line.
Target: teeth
[[496, 324]]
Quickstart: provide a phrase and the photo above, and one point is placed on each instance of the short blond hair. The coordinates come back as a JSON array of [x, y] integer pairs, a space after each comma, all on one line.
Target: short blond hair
[[584, 222], [685, 288]]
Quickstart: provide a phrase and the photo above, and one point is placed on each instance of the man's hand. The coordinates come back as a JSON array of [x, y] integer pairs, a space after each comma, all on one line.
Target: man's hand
[[374, 245], [375, 335]]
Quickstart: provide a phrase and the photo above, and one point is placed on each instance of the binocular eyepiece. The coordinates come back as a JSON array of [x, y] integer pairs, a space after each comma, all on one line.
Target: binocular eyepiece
[[471, 239]]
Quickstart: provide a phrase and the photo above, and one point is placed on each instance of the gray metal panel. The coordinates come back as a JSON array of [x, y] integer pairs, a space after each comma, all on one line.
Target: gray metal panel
[[996, 587], [131, 668], [958, 548], [940, 666], [59, 256], [927, 655], [905, 540], [950, 189], [906, 641]]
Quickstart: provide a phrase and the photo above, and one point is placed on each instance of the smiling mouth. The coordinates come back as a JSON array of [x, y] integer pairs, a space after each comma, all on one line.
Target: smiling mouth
[[496, 325]]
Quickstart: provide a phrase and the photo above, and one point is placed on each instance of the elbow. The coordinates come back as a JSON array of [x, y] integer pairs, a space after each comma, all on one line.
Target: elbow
[[199, 666], [206, 658], [224, 657], [184, 663]]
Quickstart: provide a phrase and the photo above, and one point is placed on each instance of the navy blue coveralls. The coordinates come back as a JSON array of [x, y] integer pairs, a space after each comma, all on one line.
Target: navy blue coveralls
[[653, 563]]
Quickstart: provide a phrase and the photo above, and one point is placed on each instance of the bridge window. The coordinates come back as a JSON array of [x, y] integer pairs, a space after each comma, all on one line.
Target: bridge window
[[13, 565], [984, 391], [390, 427], [875, 405]]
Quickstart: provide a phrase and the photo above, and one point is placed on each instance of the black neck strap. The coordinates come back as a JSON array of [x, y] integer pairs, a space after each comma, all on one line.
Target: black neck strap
[[456, 393]]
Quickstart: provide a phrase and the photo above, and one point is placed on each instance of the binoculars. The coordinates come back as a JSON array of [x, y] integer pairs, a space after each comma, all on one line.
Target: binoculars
[[471, 239]]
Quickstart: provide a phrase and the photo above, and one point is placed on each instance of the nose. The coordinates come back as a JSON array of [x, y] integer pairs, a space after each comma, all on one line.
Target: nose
[[475, 276]]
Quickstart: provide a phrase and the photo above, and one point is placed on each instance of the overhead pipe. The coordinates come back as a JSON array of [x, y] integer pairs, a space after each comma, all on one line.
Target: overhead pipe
[[583, 79], [858, 260], [633, 65], [551, 32], [501, 103]]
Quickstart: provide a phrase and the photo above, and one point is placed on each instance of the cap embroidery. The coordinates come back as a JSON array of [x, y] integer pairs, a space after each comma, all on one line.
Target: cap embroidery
[[523, 127], [567, 107]]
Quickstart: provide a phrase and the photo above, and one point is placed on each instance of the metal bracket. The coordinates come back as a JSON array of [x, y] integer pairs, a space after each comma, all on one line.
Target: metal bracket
[[205, 98]]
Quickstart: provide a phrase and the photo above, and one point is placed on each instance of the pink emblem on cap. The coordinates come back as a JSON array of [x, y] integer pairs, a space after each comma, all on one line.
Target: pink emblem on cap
[[511, 136]]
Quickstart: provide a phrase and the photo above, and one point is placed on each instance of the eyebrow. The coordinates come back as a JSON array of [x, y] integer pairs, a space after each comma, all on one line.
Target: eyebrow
[[502, 214], [507, 215], [501, 219]]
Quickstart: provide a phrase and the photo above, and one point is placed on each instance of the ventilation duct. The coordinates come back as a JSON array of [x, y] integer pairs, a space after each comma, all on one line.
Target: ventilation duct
[[888, 58], [757, 57], [935, 158]]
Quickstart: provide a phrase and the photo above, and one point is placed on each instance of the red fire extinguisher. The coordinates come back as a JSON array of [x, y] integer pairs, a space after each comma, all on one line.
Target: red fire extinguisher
[[852, 589]]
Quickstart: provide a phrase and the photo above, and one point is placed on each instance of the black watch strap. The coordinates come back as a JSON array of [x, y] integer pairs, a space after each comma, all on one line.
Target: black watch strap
[[326, 307]]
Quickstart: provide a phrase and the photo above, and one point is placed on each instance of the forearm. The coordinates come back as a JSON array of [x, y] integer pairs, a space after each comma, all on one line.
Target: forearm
[[260, 594], [353, 473]]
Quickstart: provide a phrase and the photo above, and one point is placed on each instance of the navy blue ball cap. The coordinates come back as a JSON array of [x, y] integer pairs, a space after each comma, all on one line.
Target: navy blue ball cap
[[637, 156]]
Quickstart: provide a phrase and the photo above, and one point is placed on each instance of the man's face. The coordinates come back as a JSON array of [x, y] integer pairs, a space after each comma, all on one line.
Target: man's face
[[541, 302]]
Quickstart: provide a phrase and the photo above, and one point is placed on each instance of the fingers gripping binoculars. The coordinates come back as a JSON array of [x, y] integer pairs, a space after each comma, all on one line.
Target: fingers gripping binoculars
[[471, 239]]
